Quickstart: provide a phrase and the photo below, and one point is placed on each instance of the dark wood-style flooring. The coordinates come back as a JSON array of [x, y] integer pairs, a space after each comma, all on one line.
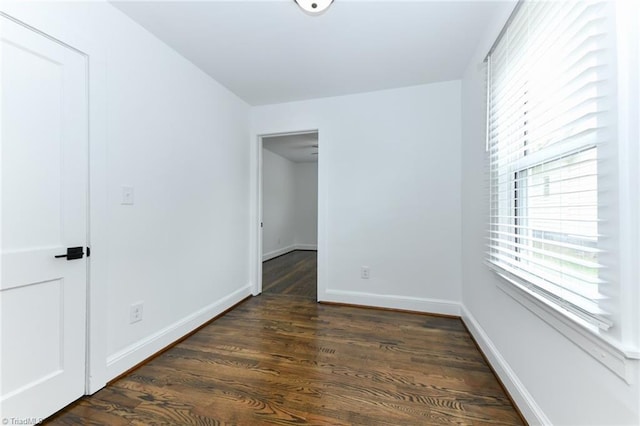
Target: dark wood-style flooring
[[293, 274], [285, 359]]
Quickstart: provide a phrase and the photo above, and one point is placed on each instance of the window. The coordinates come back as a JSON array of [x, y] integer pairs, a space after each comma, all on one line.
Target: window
[[549, 115]]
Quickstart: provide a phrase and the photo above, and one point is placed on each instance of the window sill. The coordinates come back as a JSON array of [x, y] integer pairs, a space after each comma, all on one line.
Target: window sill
[[616, 358]]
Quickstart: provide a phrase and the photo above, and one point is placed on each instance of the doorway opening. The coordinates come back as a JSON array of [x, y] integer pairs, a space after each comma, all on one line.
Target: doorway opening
[[289, 214]]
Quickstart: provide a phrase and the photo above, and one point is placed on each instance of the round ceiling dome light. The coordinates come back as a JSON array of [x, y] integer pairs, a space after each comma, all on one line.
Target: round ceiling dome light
[[314, 7]]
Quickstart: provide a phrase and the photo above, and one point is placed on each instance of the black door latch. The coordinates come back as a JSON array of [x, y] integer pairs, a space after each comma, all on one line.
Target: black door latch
[[72, 253]]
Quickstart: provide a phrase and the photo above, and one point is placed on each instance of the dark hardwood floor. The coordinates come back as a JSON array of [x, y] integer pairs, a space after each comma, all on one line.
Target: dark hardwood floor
[[285, 359], [293, 274]]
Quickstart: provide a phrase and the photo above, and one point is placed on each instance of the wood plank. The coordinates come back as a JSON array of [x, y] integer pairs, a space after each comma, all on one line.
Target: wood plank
[[281, 358]]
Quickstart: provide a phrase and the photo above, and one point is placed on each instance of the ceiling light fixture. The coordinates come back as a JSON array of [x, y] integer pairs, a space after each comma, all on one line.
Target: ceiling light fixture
[[314, 7]]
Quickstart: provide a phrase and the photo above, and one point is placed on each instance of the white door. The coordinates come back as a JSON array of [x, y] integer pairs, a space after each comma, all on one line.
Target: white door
[[44, 149]]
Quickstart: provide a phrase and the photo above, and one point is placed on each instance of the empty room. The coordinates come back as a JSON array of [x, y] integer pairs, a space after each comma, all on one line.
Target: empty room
[[347, 212]]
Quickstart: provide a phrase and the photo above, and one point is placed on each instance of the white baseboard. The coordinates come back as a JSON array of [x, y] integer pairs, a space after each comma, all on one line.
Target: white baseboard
[[278, 252], [433, 306], [285, 250], [523, 399], [137, 352]]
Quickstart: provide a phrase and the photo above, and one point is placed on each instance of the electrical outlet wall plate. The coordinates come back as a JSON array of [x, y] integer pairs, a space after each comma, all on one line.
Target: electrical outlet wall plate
[[364, 272]]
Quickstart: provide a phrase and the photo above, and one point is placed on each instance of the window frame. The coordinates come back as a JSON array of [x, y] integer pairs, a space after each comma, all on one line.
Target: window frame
[[619, 351], [521, 213]]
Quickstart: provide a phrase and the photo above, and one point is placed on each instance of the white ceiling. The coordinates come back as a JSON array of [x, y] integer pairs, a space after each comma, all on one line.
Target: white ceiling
[[270, 51], [298, 148]]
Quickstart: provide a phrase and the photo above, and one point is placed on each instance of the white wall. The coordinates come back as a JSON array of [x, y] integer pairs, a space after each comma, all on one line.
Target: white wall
[[178, 137], [289, 205], [552, 379], [278, 205], [389, 193], [306, 205]]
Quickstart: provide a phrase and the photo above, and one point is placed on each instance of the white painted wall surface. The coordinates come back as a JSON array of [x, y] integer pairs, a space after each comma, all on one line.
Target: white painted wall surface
[[278, 205], [289, 205], [306, 205], [180, 139], [389, 193], [552, 379]]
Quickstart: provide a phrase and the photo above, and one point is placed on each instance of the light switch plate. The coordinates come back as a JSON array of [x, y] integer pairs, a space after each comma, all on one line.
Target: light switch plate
[[127, 195]]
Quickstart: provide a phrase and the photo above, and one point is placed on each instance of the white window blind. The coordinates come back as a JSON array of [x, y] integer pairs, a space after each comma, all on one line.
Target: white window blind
[[549, 111]]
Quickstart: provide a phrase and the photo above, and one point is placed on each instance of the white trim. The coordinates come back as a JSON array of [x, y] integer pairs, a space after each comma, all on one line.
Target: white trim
[[256, 257], [323, 217], [417, 304], [255, 242], [98, 226], [522, 398], [137, 352], [616, 359], [284, 250], [628, 48], [278, 252]]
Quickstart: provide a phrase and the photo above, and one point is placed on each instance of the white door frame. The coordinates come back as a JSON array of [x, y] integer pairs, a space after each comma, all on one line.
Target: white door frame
[[257, 227], [95, 54]]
